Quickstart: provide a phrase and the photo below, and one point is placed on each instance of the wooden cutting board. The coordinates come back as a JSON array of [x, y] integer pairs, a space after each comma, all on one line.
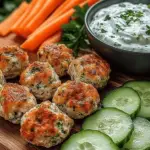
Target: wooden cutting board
[[9, 133]]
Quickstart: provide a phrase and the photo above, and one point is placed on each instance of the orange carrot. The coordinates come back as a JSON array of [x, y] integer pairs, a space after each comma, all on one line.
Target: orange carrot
[[68, 4], [5, 26], [45, 11], [39, 36], [17, 26], [91, 2], [53, 39], [36, 8]]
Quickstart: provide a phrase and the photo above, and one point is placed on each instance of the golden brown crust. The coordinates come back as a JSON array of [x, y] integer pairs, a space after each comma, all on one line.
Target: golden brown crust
[[15, 98], [41, 78], [77, 98], [59, 56], [42, 121], [12, 61], [91, 69]]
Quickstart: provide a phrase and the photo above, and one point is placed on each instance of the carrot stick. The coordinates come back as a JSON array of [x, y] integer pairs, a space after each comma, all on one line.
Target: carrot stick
[[53, 39], [68, 4], [39, 36], [91, 2], [36, 8], [45, 11], [5, 26], [17, 26]]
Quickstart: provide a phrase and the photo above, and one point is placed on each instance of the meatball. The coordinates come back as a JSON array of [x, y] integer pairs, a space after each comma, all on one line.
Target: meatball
[[13, 61], [90, 69], [41, 79], [77, 99], [59, 56], [15, 100], [2, 79], [45, 125]]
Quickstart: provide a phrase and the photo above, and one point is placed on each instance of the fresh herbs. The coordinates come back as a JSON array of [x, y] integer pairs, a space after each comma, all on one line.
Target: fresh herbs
[[103, 31], [107, 18], [131, 15], [148, 6], [119, 28], [148, 30], [74, 35]]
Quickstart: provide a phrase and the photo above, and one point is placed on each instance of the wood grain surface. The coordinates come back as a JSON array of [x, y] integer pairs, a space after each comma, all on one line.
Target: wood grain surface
[[9, 134]]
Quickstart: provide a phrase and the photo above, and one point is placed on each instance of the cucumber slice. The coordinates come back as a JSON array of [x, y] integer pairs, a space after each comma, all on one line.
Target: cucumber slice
[[89, 140], [111, 121], [140, 138], [124, 99], [143, 89]]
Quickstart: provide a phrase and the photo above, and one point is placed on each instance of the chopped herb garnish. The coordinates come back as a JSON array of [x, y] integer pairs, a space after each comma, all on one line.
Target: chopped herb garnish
[[131, 15], [119, 28], [103, 31], [107, 18], [117, 44], [148, 30]]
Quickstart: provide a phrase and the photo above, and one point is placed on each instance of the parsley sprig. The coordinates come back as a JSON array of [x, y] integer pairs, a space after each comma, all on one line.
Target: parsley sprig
[[74, 35]]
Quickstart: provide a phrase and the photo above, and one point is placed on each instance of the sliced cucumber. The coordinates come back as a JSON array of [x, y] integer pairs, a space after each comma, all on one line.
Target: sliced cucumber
[[124, 99], [143, 89], [111, 121], [89, 140], [140, 138]]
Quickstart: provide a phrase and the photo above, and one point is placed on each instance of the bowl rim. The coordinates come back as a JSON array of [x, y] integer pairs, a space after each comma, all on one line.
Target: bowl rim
[[96, 38]]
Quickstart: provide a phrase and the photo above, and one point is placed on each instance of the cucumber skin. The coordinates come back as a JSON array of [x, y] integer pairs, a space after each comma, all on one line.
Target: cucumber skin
[[121, 143], [67, 142], [134, 115], [134, 81]]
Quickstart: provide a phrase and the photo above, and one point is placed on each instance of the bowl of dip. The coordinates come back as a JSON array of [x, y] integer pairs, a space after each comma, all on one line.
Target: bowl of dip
[[120, 31]]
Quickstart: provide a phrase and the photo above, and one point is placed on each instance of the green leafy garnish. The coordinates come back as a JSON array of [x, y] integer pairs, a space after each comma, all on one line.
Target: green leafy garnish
[[148, 30], [107, 18], [74, 34], [148, 6], [103, 31], [119, 28], [131, 15]]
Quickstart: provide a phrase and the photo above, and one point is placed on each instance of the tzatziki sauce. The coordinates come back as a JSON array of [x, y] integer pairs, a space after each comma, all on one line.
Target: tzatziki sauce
[[124, 25]]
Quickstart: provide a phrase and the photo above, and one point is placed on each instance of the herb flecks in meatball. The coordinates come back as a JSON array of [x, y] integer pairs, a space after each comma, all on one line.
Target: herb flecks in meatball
[[13, 61], [41, 79], [45, 125], [77, 99], [90, 69], [58, 55], [15, 100]]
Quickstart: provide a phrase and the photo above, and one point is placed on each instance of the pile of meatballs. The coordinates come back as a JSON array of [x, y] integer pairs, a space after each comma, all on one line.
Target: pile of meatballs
[[43, 105]]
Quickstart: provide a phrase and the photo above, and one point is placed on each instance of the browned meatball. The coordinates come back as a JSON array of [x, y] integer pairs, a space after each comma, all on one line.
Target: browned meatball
[[59, 56], [90, 69], [13, 61], [15, 100]]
